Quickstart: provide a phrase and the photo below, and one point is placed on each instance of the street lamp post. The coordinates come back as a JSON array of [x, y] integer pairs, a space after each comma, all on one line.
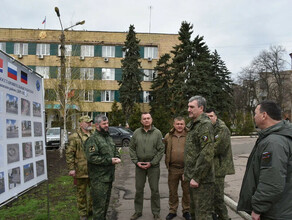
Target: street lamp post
[[62, 86]]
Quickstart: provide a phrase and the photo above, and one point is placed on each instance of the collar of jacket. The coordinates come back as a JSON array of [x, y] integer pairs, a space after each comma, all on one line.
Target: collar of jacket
[[82, 133], [283, 128], [171, 132], [192, 123], [150, 130]]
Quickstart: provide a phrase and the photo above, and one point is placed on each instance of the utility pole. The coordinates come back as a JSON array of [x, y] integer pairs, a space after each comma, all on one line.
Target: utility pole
[[62, 85]]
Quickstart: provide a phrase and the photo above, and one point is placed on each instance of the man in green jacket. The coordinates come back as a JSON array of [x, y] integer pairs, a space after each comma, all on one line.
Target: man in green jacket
[[223, 162], [199, 160], [146, 151], [77, 164], [102, 156], [266, 189]]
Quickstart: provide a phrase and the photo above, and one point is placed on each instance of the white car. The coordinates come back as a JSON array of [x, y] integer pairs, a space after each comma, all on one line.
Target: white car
[[53, 136]]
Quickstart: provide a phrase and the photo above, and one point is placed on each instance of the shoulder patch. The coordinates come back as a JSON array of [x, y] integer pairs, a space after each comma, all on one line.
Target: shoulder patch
[[266, 158], [91, 149], [205, 138]]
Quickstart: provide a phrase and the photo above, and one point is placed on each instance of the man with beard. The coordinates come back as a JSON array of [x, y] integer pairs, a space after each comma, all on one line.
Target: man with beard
[[102, 156], [77, 165]]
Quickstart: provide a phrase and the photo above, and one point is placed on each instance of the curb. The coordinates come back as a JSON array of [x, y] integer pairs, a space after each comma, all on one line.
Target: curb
[[233, 205]]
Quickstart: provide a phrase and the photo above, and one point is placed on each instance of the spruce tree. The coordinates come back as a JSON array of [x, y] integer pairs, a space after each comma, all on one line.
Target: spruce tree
[[181, 67], [130, 85], [222, 101]]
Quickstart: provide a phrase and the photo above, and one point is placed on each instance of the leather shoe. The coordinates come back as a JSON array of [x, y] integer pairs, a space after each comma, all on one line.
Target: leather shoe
[[136, 216], [187, 216], [170, 216]]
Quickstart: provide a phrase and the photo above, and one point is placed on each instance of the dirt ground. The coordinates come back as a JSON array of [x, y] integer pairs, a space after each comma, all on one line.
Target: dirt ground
[[56, 165]]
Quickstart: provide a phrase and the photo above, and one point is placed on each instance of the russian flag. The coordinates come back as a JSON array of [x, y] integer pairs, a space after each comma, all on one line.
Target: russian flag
[[12, 71], [44, 21], [1, 65], [23, 77]]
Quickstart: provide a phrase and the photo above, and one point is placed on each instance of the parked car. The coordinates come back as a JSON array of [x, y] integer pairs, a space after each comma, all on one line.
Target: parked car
[[53, 137], [121, 136]]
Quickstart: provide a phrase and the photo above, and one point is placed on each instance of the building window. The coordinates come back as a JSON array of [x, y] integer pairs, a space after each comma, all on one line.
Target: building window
[[20, 48], [149, 75], [88, 95], [87, 73], [107, 96], [3, 46], [150, 52], [43, 70], [146, 96], [108, 51], [87, 51], [68, 72], [68, 50], [43, 49], [108, 74]]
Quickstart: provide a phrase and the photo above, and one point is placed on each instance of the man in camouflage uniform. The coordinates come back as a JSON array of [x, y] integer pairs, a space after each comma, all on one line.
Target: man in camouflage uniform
[[77, 165], [174, 160], [223, 161], [199, 160], [102, 155]]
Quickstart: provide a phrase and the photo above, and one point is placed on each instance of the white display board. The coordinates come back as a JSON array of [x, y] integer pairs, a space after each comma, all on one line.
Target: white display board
[[22, 134]]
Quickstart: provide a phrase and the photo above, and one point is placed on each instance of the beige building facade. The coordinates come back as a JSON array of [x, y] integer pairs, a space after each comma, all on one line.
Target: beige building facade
[[93, 65]]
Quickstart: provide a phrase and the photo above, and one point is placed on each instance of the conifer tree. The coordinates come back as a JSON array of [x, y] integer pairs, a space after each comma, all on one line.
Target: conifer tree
[[130, 84]]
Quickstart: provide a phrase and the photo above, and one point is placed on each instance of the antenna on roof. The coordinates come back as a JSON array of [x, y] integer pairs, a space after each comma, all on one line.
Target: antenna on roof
[[150, 7]]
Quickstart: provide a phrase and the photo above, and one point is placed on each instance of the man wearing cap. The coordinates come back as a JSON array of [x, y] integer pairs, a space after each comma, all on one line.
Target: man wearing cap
[[77, 165]]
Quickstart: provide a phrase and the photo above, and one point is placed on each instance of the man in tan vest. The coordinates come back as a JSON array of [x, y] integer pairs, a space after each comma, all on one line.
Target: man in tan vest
[[174, 160]]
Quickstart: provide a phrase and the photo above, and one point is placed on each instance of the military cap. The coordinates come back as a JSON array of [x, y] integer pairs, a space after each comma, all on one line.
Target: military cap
[[85, 118]]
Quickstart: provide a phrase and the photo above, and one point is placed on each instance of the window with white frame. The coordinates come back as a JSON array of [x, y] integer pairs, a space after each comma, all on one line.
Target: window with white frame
[[68, 72], [107, 96], [150, 52], [149, 75], [43, 49], [21, 48], [43, 70], [108, 74], [88, 95], [87, 51], [146, 96], [3, 46], [108, 51], [87, 73], [68, 50]]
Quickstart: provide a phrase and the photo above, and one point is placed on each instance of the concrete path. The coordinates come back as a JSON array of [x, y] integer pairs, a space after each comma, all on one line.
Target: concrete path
[[122, 202]]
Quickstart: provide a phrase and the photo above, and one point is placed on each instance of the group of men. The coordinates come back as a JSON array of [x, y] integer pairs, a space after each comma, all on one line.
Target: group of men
[[197, 155]]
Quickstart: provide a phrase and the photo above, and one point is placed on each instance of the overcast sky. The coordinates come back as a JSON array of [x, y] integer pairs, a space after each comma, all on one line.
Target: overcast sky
[[238, 29]]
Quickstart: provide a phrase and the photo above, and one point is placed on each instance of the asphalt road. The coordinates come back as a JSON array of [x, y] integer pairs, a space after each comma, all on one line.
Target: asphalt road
[[122, 205]]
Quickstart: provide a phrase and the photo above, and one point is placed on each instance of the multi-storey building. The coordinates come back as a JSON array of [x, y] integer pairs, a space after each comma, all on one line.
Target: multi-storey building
[[93, 64]]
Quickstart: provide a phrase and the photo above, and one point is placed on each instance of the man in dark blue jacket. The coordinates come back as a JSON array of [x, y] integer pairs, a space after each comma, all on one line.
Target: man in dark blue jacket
[[266, 189]]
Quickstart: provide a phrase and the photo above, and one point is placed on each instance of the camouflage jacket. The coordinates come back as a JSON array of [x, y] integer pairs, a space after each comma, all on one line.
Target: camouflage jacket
[[199, 151], [75, 156], [223, 159], [99, 150]]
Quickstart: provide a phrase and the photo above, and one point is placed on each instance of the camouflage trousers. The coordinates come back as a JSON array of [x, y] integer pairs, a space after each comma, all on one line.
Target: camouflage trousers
[[101, 193], [84, 201], [202, 200], [174, 177], [153, 174], [219, 205]]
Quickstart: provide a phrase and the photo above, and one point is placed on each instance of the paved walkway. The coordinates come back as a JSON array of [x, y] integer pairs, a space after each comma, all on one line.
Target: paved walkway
[[124, 190]]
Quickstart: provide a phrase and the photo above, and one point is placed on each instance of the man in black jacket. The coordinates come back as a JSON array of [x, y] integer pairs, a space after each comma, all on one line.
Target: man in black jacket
[[267, 184]]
